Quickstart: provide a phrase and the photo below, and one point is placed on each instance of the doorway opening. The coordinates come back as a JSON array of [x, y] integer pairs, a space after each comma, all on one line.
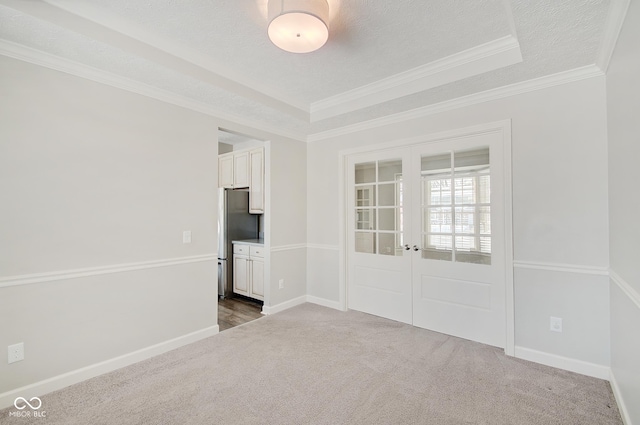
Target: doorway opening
[[241, 220]]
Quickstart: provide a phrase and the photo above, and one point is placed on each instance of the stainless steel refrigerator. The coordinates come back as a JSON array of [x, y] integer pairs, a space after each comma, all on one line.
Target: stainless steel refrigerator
[[234, 223]]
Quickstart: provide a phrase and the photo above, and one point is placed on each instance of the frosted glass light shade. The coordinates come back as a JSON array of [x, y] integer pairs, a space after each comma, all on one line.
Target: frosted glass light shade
[[298, 26]]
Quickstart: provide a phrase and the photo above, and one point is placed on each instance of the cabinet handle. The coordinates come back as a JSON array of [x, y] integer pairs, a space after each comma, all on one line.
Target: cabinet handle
[[415, 248], [406, 247]]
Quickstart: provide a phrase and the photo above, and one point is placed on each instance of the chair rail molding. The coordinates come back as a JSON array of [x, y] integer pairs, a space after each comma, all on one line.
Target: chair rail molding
[[93, 271], [561, 267]]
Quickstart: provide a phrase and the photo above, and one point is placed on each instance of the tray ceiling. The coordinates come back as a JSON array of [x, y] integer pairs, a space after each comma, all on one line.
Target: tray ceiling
[[381, 58]]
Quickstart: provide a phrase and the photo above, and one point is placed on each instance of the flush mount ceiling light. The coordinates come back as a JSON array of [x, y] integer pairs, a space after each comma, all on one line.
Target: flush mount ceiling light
[[298, 26]]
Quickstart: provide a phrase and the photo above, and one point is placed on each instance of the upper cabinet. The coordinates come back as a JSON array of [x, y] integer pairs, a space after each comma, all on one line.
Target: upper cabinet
[[244, 169], [233, 170], [241, 169], [225, 170], [256, 176]]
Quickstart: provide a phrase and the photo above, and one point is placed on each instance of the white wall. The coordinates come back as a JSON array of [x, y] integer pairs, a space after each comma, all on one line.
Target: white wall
[[288, 201], [97, 185], [559, 213], [623, 102]]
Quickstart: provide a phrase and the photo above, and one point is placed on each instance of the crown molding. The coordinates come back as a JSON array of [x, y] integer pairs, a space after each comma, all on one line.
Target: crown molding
[[535, 84], [38, 57], [486, 57], [117, 31], [613, 25]]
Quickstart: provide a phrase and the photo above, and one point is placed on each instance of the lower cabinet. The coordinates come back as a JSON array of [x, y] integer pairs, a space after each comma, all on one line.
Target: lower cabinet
[[248, 271]]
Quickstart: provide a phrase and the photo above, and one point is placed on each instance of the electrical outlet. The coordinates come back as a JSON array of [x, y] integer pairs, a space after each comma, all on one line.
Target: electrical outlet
[[281, 283], [186, 236], [15, 352], [555, 324]]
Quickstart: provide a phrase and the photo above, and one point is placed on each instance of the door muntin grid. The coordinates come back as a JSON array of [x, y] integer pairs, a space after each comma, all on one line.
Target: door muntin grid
[[379, 207], [456, 206]]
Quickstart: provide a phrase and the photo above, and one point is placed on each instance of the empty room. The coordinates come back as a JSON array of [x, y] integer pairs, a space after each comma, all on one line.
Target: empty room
[[319, 212]]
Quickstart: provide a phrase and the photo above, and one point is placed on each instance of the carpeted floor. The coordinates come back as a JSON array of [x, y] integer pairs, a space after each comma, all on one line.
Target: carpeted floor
[[313, 365]]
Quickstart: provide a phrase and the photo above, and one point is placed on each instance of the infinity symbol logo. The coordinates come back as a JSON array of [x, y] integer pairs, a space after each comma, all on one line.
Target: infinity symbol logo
[[26, 403]]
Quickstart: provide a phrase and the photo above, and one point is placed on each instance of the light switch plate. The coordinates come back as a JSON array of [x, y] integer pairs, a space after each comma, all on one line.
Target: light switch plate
[[186, 236], [555, 324]]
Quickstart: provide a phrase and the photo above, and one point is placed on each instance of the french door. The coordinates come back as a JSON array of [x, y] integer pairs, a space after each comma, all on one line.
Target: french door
[[426, 239], [379, 270]]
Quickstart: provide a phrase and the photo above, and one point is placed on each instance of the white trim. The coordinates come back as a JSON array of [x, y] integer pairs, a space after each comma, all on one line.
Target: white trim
[[336, 305], [93, 271], [268, 286], [573, 365], [64, 380], [486, 57], [617, 393], [615, 19], [284, 305], [559, 267], [291, 247], [321, 246], [627, 289], [343, 221], [509, 305], [578, 74], [472, 130], [512, 23], [47, 60]]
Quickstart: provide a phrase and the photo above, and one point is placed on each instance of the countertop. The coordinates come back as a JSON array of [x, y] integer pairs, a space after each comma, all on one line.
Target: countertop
[[256, 242]]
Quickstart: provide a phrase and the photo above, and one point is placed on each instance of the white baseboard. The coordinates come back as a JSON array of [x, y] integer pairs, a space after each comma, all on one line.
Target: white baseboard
[[285, 305], [301, 300], [82, 374], [566, 363], [325, 302], [622, 407]]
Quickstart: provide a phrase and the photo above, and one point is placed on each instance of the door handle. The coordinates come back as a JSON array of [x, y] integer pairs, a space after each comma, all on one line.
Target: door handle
[[406, 247], [415, 248]]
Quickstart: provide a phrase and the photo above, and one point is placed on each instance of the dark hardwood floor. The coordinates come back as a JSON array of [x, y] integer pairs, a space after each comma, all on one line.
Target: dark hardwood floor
[[236, 311]]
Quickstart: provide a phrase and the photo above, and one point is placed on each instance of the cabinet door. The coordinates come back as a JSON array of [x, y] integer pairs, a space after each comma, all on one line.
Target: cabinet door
[[241, 275], [225, 171], [240, 170], [256, 188], [257, 279]]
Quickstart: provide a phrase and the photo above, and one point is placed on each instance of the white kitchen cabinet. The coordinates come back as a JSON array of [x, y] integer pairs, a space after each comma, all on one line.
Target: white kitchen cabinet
[[234, 170], [241, 169], [248, 270], [244, 169], [256, 184], [225, 170]]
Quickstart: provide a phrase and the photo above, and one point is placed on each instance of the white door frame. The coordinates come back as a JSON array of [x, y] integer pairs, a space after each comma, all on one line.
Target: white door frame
[[504, 128]]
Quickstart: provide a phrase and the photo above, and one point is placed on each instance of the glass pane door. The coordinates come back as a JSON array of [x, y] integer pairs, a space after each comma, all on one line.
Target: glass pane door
[[456, 206], [379, 207]]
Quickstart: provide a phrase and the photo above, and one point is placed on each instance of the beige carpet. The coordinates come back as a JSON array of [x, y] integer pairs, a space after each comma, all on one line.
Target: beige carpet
[[313, 365]]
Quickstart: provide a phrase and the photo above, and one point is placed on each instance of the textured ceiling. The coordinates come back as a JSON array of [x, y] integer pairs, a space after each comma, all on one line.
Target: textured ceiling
[[217, 53], [374, 40]]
